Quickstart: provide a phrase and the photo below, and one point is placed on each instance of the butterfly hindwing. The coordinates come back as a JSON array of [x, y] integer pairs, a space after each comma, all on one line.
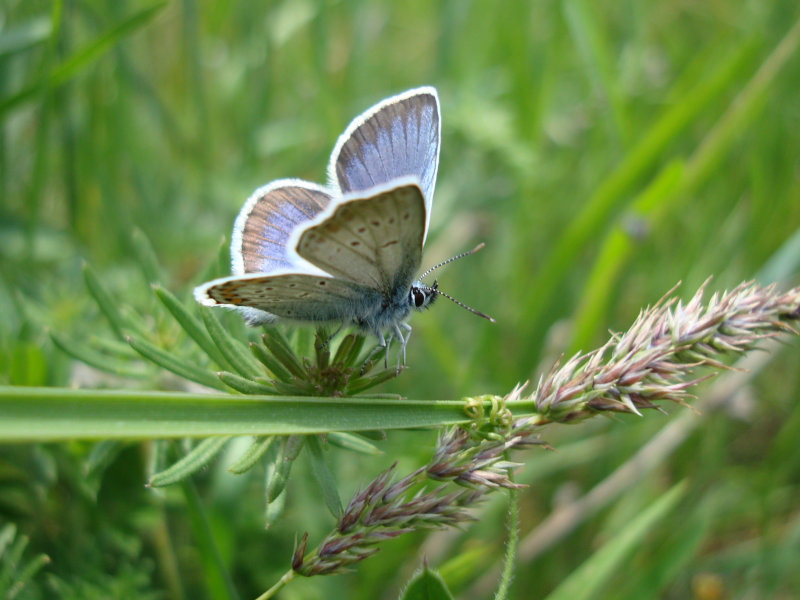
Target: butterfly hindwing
[[374, 241], [291, 296], [397, 137], [266, 221]]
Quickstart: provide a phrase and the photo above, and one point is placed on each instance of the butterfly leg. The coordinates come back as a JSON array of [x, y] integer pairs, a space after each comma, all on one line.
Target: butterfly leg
[[403, 342], [389, 345], [375, 350]]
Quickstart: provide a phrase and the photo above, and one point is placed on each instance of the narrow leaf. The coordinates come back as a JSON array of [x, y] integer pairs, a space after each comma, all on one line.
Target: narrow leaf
[[356, 443], [589, 578], [173, 363], [99, 361], [191, 325], [36, 564], [146, 256], [241, 360], [219, 582], [273, 366], [246, 386], [195, 460], [355, 351], [83, 58], [101, 455], [108, 307], [283, 353], [322, 474], [343, 351], [289, 451], [249, 459], [365, 383]]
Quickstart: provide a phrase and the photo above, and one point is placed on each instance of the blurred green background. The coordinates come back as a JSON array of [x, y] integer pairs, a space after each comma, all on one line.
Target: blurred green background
[[603, 151]]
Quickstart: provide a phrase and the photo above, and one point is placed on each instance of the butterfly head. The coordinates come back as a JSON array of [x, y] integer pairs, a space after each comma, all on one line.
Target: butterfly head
[[421, 296]]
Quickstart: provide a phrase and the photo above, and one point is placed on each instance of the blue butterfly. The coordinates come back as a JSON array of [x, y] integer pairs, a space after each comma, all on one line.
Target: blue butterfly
[[347, 253]]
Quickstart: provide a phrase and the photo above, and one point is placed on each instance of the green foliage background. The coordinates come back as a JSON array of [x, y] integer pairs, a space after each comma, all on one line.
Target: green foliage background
[[602, 150]]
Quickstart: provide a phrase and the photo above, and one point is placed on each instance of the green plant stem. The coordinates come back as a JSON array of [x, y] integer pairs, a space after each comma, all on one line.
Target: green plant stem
[[513, 537], [31, 414], [288, 576]]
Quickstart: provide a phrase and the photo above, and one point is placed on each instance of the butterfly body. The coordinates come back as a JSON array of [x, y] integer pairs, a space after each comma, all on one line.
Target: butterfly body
[[346, 254]]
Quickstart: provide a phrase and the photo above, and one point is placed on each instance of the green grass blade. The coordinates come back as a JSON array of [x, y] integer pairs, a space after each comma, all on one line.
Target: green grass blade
[[83, 58], [674, 186], [595, 572], [30, 414], [603, 279], [784, 262], [323, 476], [191, 325], [233, 351], [219, 582], [254, 453], [611, 191], [199, 457], [177, 365], [594, 50]]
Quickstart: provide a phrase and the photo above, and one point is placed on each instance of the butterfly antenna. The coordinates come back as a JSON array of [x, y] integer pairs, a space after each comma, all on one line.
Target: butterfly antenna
[[449, 260], [472, 310]]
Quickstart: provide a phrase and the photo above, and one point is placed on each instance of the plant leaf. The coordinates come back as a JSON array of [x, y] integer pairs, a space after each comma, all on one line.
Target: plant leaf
[[426, 584], [233, 351], [356, 443], [259, 447], [174, 363], [322, 474], [195, 460]]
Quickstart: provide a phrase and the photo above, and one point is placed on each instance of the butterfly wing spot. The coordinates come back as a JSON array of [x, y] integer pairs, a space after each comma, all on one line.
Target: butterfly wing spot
[[354, 244], [292, 285], [391, 220], [362, 229], [406, 216], [332, 227], [322, 283], [375, 223], [387, 244]]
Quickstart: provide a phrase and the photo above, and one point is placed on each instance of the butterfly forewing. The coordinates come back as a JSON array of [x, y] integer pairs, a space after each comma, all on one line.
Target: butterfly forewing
[[292, 296], [373, 241], [398, 137], [267, 220]]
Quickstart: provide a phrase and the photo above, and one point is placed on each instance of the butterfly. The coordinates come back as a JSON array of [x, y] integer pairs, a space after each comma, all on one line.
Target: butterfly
[[346, 253]]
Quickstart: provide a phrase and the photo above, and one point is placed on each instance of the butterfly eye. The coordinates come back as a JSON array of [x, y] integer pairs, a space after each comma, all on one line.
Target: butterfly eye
[[419, 298]]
